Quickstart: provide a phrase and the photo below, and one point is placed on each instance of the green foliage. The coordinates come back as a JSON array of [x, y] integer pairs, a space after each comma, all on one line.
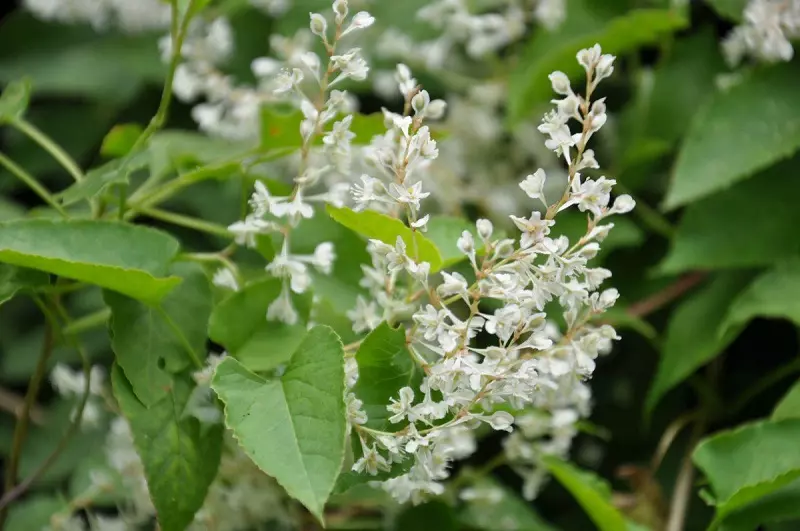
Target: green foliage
[[591, 492], [292, 427], [34, 513], [385, 366], [377, 226], [696, 334], [96, 252], [14, 279], [180, 456], [549, 51], [773, 294], [432, 515], [14, 100], [789, 406], [239, 324], [731, 9], [99, 179], [152, 343], [510, 511], [711, 231], [749, 462], [733, 137]]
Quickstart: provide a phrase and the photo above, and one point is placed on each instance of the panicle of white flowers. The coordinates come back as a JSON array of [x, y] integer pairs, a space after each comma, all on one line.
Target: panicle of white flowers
[[130, 17], [530, 363], [320, 106], [766, 32]]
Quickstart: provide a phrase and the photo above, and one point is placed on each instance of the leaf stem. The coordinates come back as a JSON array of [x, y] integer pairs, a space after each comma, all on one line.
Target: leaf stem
[[764, 383], [185, 221], [679, 504], [82, 324], [47, 143], [32, 183], [180, 337]]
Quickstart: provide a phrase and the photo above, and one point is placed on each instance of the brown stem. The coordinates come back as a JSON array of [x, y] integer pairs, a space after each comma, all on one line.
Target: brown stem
[[21, 429], [14, 404], [661, 298], [679, 504]]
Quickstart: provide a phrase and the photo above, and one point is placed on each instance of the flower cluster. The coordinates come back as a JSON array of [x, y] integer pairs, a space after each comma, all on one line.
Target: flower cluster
[[482, 336], [130, 17], [766, 32], [272, 214]]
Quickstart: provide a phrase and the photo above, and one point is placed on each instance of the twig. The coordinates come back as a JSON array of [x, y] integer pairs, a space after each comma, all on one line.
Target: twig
[[32, 183], [661, 298], [56, 151]]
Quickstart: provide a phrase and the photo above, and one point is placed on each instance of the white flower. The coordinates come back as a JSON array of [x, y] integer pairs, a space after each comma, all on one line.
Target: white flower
[[318, 24], [466, 243], [369, 190], [282, 309], [365, 316], [411, 195], [560, 83], [402, 407], [324, 256], [225, 278], [534, 228], [454, 284], [293, 209], [533, 186], [360, 20], [372, 462]]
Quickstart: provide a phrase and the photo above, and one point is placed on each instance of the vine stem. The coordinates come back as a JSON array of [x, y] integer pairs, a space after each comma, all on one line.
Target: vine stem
[[13, 493], [661, 298], [21, 429], [32, 183], [679, 504], [57, 152]]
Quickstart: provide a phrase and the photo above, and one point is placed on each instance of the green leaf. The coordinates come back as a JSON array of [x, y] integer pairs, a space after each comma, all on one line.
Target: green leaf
[[239, 323], [731, 9], [774, 293], [176, 150], [431, 515], [128, 259], [15, 279], [734, 136], [711, 232], [119, 141], [34, 513], [292, 427], [749, 462], [349, 479], [549, 51], [671, 99], [281, 130], [693, 334], [76, 60], [510, 512], [180, 456], [100, 178], [375, 225], [153, 342], [591, 493], [789, 406], [782, 504], [14, 100], [444, 232], [384, 367]]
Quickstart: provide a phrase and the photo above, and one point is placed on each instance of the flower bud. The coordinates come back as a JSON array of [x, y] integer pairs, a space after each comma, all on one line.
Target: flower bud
[[340, 8], [560, 83], [436, 110], [589, 57], [318, 24], [604, 67], [466, 243], [623, 204], [420, 102], [485, 228]]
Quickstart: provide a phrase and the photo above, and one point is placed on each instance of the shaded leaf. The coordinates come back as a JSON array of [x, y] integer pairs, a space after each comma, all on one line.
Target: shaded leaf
[[119, 141], [693, 334], [444, 232], [431, 515], [34, 512], [509, 512], [15, 279], [731, 9], [774, 293], [152, 343], [740, 132], [281, 129], [384, 367], [292, 427], [180, 456], [98, 179], [789, 406], [712, 232], [239, 323], [782, 504], [375, 225], [749, 462], [129, 259]]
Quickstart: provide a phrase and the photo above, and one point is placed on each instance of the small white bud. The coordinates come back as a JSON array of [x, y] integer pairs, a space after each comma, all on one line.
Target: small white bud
[[420, 101], [436, 110], [560, 83], [466, 243], [605, 67], [361, 20], [318, 24], [608, 298], [485, 228], [341, 9], [589, 57], [623, 204]]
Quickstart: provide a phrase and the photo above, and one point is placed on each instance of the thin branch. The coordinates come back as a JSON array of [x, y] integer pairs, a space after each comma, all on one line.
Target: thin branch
[[14, 404], [56, 151], [681, 495], [32, 183], [661, 298]]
